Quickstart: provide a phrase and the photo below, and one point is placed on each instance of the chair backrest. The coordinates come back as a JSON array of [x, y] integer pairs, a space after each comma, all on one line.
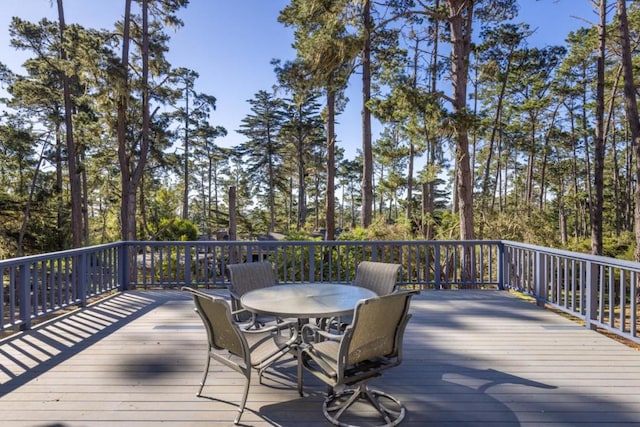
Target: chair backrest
[[250, 276], [380, 277], [377, 329], [222, 332]]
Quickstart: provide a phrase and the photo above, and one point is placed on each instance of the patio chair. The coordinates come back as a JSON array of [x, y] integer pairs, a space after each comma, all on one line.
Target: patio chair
[[370, 345], [380, 277], [247, 277], [239, 349]]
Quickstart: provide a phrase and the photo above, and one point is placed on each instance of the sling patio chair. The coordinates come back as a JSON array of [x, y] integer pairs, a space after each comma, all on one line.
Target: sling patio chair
[[247, 277], [380, 277], [239, 349], [370, 345]]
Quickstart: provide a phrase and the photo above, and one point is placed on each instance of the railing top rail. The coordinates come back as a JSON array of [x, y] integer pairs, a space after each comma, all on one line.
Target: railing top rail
[[58, 254], [312, 242], [154, 243], [603, 260], [10, 262]]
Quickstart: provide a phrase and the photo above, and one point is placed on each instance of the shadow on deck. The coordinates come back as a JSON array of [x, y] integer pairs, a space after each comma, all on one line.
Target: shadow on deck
[[472, 358]]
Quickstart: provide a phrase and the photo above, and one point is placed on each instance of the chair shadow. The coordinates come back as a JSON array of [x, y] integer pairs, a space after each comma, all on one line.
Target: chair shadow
[[422, 407]]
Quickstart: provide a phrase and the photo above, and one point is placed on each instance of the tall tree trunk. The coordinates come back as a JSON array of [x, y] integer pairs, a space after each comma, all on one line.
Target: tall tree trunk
[[629, 176], [598, 151], [272, 186], [528, 192], [632, 111], [74, 176], [301, 217], [367, 152], [412, 150], [587, 156], [562, 213], [131, 172], [545, 157], [316, 201], [497, 188], [128, 201], [185, 195], [429, 191], [497, 120], [611, 110], [60, 216], [574, 176], [27, 207], [85, 199], [330, 224], [146, 114], [460, 22]]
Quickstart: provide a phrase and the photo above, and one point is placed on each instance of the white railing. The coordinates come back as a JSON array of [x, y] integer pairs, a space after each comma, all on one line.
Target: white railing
[[39, 286], [435, 264], [601, 291]]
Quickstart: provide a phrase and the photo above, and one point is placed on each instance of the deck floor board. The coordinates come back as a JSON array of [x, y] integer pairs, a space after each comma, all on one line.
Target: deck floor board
[[472, 358]]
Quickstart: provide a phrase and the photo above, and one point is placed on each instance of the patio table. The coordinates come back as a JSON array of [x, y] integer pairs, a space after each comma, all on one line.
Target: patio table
[[305, 300]]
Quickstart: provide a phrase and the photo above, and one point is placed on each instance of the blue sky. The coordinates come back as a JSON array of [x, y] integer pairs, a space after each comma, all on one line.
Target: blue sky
[[230, 43]]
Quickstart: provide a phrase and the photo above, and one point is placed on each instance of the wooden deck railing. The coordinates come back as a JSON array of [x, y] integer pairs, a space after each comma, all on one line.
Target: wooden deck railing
[[38, 286], [424, 263], [603, 292], [599, 290]]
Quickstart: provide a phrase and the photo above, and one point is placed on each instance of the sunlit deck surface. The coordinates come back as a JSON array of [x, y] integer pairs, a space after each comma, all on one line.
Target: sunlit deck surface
[[472, 358]]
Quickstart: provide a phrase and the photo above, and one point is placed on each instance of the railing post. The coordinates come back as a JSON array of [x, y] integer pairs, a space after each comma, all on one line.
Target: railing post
[[24, 291], [82, 278], [501, 266], [437, 268], [591, 294], [123, 266], [312, 263], [187, 264], [538, 278]]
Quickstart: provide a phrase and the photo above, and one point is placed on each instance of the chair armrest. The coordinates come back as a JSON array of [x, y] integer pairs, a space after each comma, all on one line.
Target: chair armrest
[[291, 325], [242, 310], [244, 324], [317, 334], [235, 298]]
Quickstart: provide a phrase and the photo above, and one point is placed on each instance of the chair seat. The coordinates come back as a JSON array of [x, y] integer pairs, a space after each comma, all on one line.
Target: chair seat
[[262, 346], [325, 354]]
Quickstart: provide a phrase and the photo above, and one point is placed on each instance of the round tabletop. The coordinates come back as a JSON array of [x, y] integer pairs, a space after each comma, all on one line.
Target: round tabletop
[[305, 300]]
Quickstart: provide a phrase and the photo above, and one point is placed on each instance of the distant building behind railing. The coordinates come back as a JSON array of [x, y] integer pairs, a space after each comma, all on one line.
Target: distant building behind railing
[[601, 291]]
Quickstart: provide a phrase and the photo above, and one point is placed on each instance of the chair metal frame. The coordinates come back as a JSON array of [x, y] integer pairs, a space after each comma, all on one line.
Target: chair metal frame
[[371, 344], [240, 349]]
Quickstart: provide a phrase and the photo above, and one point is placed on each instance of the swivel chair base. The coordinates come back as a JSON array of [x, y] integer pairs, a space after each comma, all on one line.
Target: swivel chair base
[[390, 408]]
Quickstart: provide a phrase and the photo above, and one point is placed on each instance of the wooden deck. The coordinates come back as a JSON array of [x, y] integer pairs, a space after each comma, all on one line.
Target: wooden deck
[[472, 358]]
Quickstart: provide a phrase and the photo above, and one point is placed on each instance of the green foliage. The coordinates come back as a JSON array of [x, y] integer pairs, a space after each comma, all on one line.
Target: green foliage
[[298, 235], [177, 229], [620, 247], [529, 226], [449, 226], [380, 230]]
